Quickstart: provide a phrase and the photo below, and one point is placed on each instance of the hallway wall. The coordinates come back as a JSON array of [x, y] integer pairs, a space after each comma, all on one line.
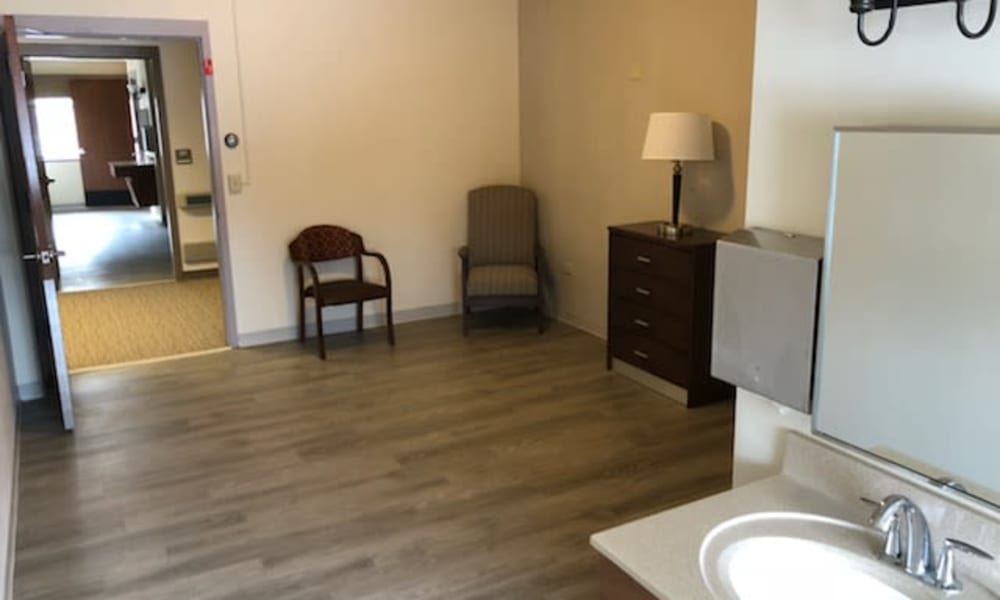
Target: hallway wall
[[182, 86]]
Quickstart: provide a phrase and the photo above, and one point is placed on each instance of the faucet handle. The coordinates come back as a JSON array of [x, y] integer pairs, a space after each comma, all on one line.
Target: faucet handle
[[892, 548], [944, 576]]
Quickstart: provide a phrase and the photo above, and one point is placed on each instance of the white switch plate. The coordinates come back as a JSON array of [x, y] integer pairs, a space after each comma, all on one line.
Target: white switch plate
[[235, 184]]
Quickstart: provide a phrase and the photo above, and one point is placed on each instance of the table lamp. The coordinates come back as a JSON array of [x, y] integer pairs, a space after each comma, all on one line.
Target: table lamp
[[678, 137]]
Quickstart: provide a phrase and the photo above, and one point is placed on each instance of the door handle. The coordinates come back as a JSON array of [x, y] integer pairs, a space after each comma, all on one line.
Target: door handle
[[640, 354], [44, 256], [644, 260], [643, 291], [49, 181], [641, 323]]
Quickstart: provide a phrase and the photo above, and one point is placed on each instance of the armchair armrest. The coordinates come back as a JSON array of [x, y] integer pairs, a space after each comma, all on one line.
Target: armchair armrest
[[539, 257], [385, 266], [463, 254], [305, 264]]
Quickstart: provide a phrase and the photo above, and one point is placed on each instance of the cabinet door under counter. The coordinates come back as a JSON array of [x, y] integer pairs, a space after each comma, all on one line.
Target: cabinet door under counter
[[660, 294]]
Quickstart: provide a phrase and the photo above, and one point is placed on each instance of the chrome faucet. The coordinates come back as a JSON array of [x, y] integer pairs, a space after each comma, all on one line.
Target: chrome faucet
[[907, 536], [908, 543]]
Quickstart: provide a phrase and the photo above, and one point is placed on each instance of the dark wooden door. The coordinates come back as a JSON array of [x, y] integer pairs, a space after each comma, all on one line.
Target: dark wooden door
[[34, 220], [101, 107]]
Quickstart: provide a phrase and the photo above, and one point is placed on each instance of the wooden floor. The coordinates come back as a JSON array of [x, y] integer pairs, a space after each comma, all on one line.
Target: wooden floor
[[446, 468]]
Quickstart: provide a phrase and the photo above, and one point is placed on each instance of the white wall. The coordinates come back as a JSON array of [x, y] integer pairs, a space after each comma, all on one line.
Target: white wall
[[375, 114], [8, 461], [810, 74], [26, 376]]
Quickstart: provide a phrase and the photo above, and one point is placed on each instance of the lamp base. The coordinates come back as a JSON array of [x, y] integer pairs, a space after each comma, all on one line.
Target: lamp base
[[673, 232]]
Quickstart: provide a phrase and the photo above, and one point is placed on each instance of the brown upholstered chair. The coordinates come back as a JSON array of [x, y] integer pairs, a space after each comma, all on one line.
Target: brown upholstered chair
[[323, 243], [500, 263]]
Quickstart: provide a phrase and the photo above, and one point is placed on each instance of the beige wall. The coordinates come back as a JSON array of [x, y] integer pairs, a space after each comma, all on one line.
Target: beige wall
[[376, 114], [812, 74], [591, 72], [379, 116]]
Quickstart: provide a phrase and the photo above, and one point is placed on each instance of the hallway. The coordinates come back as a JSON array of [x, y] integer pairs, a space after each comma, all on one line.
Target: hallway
[[111, 247]]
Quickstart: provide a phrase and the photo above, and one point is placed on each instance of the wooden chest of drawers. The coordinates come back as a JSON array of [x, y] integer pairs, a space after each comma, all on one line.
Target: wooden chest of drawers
[[660, 296]]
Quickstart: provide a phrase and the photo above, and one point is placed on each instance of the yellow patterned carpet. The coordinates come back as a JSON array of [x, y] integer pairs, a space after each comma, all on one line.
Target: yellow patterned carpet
[[128, 324]]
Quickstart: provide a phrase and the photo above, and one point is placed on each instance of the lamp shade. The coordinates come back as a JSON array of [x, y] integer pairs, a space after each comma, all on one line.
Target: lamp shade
[[679, 136]]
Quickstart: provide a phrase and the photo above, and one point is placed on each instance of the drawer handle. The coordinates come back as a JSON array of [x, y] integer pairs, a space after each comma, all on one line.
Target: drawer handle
[[641, 354], [643, 291], [644, 259], [641, 323]]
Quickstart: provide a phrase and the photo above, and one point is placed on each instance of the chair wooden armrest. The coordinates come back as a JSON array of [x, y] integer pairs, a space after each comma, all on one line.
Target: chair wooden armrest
[[305, 264], [385, 266], [463, 255]]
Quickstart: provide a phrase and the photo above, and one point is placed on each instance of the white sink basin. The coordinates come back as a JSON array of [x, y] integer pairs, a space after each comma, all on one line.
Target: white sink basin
[[776, 556]]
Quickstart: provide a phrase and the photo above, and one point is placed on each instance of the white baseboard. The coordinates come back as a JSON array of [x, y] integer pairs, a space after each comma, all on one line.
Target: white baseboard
[[345, 324], [30, 391]]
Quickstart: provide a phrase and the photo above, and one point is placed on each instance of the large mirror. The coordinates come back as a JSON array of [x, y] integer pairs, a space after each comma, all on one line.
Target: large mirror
[[908, 362]]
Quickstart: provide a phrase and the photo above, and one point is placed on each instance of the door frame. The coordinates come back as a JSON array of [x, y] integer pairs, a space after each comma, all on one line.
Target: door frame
[[150, 55], [114, 28]]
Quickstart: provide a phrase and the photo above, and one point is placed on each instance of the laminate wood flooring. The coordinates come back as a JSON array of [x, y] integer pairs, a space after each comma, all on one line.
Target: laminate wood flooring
[[447, 467]]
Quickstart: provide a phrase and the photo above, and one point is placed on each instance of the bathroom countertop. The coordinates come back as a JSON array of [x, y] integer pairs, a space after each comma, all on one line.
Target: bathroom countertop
[[661, 552]]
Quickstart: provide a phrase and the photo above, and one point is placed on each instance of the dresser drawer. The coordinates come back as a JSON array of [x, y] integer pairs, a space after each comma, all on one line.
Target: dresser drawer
[[654, 260], [665, 295], [653, 357], [629, 318]]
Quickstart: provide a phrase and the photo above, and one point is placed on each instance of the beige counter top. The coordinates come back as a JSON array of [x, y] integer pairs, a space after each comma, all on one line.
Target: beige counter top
[[661, 552]]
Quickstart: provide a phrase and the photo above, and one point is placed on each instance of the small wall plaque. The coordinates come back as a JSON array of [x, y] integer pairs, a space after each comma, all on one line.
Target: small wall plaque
[[183, 156]]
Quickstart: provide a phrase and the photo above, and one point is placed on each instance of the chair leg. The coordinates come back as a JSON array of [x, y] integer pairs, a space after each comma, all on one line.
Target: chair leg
[[359, 317], [465, 317], [319, 330], [302, 319], [388, 316]]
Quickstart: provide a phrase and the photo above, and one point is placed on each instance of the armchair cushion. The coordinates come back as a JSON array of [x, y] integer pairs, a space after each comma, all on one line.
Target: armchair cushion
[[344, 291], [502, 280]]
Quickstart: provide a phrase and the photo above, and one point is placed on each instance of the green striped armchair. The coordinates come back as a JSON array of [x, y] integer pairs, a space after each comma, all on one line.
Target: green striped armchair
[[500, 262]]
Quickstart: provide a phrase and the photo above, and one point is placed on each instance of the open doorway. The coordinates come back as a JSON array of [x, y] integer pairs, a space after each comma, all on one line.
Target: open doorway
[[123, 140], [107, 213]]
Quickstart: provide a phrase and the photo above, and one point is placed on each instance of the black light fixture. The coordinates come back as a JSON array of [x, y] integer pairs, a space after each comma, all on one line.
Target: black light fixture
[[863, 7]]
